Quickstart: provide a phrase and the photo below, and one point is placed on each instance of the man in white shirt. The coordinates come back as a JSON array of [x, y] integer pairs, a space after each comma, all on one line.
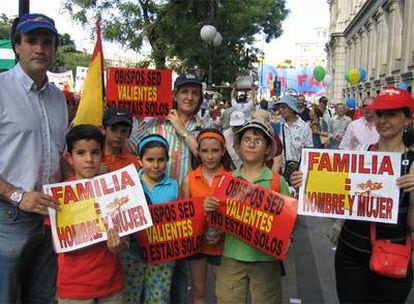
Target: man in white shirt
[[339, 124], [362, 130], [33, 125]]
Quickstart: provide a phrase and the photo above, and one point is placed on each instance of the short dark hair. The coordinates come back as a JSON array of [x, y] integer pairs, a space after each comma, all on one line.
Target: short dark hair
[[323, 99], [86, 132]]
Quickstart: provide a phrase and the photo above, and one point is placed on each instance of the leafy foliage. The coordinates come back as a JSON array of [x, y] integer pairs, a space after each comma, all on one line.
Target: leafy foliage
[[172, 28], [67, 57], [5, 26]]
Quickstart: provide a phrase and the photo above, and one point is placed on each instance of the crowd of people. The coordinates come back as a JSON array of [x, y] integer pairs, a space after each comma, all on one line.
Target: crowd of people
[[183, 155]]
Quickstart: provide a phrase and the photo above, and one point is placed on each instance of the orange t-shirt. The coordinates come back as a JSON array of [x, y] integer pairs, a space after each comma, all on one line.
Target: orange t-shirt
[[116, 162], [199, 187]]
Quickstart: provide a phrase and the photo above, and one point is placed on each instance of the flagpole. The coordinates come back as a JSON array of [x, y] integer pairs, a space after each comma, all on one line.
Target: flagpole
[[98, 34]]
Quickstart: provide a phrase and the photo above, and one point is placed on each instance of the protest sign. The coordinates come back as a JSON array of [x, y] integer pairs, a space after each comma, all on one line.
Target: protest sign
[[143, 92], [177, 231], [87, 207], [258, 216], [63, 80], [81, 73], [357, 185]]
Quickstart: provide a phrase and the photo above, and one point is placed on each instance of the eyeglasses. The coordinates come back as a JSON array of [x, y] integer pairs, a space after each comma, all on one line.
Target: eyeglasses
[[257, 142]]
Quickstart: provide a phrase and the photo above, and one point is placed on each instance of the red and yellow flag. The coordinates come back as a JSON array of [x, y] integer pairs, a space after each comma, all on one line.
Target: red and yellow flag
[[90, 110]]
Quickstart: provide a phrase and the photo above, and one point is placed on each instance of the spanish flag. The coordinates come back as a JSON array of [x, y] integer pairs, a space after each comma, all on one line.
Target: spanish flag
[[90, 110]]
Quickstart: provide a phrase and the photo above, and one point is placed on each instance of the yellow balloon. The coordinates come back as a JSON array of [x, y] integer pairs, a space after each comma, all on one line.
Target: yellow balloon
[[354, 76]]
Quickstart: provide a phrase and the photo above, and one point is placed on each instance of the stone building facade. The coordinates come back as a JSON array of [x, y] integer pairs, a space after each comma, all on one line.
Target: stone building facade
[[377, 35]]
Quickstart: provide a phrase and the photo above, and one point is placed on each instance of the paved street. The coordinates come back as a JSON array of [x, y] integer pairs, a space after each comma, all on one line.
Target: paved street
[[310, 269], [310, 264]]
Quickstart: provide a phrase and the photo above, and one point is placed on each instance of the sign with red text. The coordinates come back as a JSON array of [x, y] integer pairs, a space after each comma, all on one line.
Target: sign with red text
[[178, 231], [143, 92], [258, 216], [357, 185], [89, 207]]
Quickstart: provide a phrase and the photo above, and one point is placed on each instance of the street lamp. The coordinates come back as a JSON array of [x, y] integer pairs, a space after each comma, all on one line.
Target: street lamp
[[209, 34]]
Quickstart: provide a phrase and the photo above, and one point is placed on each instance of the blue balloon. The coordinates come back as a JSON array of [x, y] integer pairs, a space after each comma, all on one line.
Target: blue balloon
[[350, 103], [363, 74], [402, 86]]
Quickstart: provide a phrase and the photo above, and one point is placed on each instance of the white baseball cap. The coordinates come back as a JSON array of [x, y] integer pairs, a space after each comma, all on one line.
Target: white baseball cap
[[237, 118]]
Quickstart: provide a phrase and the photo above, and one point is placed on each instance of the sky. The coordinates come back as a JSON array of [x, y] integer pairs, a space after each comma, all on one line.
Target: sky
[[305, 15]]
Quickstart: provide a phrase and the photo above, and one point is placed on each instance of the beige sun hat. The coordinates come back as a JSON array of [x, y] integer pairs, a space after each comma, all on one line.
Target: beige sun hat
[[267, 130]]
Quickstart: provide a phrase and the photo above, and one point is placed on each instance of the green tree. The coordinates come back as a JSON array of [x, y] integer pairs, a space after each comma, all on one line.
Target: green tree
[[67, 57], [172, 28], [5, 26]]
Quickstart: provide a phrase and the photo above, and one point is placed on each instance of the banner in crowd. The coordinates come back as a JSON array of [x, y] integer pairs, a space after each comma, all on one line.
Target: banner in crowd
[[258, 216], [81, 73], [7, 57], [64, 80], [144, 92], [357, 185], [89, 207], [178, 231], [300, 80]]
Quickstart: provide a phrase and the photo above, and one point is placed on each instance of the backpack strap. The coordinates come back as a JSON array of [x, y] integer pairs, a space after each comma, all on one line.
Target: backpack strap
[[275, 183], [364, 147]]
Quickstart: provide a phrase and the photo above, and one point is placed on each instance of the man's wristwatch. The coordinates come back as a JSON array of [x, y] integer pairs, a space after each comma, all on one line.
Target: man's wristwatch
[[16, 197]]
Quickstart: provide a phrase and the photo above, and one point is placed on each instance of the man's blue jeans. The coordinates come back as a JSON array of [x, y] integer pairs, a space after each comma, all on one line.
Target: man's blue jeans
[[27, 259]]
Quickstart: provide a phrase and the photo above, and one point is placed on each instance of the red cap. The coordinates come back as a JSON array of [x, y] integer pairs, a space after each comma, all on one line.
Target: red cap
[[391, 98]]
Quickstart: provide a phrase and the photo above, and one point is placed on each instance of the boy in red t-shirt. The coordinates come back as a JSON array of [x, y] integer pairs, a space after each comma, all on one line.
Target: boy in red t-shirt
[[93, 273], [118, 126]]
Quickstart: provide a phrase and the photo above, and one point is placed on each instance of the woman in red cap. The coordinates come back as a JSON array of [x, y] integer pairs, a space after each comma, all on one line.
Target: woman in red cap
[[355, 281]]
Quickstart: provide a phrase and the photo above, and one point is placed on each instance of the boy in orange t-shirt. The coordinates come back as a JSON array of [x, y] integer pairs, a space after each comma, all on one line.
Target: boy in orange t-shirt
[[118, 126]]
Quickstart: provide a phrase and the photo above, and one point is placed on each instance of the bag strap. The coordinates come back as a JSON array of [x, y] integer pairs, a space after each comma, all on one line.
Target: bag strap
[[284, 143], [275, 183], [373, 233], [408, 240], [364, 147]]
